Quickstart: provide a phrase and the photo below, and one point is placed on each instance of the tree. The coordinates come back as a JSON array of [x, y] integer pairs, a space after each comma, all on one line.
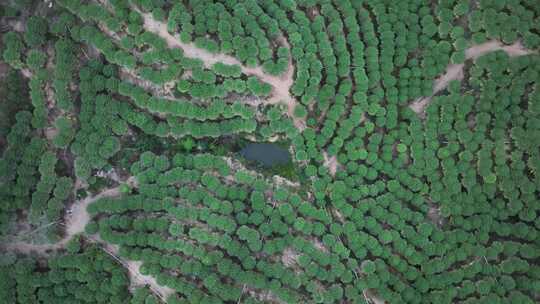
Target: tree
[[458, 57], [13, 49], [227, 70], [300, 111], [36, 59], [66, 132], [258, 88], [63, 188], [368, 267], [82, 168], [109, 147], [36, 31]]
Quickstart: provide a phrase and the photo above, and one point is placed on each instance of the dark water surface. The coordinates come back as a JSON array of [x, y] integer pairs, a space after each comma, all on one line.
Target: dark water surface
[[268, 154]]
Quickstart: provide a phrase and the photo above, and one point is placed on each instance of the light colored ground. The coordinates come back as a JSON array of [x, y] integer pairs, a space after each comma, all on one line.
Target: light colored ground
[[26, 73], [280, 84], [289, 257], [331, 163], [318, 244], [280, 180], [79, 215], [138, 279], [455, 71], [513, 50], [17, 25], [375, 299], [51, 132]]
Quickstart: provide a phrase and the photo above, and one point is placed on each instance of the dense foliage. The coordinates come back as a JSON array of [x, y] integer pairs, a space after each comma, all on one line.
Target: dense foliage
[[407, 188]]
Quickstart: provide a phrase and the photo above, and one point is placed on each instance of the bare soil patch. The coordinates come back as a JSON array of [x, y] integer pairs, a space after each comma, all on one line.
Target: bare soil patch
[[331, 163], [289, 257]]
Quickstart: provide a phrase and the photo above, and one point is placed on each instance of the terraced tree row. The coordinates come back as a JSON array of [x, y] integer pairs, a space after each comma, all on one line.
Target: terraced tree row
[[210, 232]]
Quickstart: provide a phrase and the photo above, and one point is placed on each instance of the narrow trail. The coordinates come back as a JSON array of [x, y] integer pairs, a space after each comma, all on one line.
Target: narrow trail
[[280, 84], [455, 71], [134, 270]]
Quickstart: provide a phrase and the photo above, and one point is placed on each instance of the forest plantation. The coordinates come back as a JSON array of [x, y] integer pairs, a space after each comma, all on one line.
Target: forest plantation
[[270, 151]]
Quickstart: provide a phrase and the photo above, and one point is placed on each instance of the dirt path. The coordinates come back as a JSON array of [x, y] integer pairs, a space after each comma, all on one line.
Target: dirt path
[[455, 71], [79, 217], [75, 224], [513, 50], [280, 84], [137, 279]]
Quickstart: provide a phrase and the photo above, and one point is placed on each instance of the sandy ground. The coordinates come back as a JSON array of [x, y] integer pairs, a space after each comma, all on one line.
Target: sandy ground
[[138, 279], [236, 165], [289, 257], [280, 84], [318, 244], [368, 294], [17, 25], [79, 215], [280, 180], [26, 73], [331, 163], [51, 132], [455, 71]]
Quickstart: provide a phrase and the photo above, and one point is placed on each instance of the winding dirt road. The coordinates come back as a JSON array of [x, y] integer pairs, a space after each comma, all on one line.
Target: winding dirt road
[[455, 71]]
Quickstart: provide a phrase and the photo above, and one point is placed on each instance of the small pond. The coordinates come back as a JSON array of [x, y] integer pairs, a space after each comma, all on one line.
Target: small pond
[[267, 154]]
